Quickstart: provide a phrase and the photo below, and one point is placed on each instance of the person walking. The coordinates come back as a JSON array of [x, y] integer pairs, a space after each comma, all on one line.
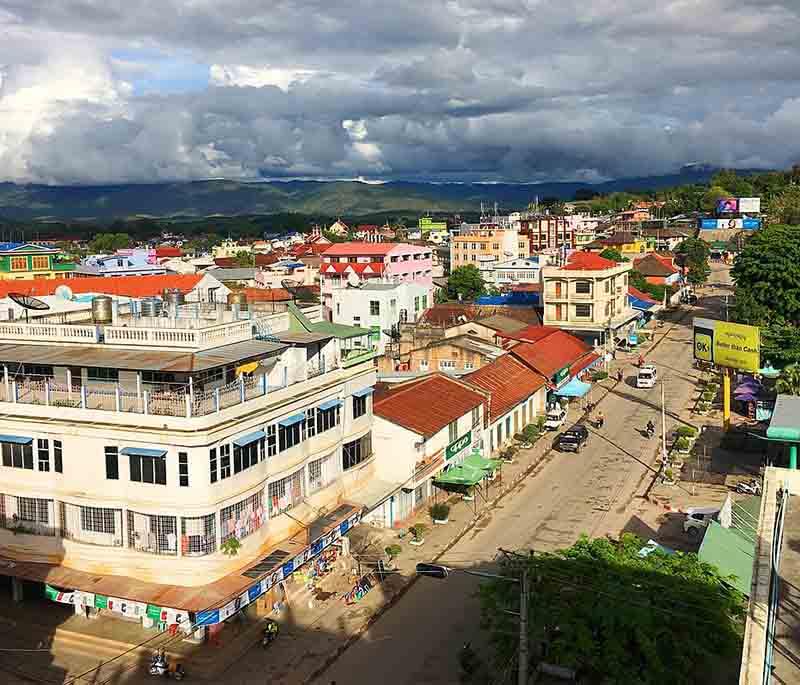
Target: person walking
[[600, 419]]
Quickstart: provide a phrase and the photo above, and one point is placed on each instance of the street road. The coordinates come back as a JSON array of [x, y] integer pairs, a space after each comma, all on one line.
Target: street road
[[417, 641]]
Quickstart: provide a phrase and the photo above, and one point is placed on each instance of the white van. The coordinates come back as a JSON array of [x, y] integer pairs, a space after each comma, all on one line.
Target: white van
[[697, 519], [555, 418], [647, 376]]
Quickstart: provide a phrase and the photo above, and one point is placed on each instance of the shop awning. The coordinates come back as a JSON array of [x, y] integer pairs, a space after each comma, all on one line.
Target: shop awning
[[785, 421], [641, 305], [330, 404], [478, 461], [246, 368], [250, 437], [363, 392], [143, 452], [460, 476], [16, 439], [291, 420], [574, 388]]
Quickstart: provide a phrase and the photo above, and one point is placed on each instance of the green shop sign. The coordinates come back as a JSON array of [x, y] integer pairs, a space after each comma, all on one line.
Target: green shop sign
[[561, 375], [374, 333], [458, 446]]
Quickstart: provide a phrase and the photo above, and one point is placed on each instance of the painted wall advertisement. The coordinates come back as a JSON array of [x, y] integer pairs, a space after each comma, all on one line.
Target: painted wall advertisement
[[747, 224], [750, 205], [733, 345], [458, 446], [727, 205]]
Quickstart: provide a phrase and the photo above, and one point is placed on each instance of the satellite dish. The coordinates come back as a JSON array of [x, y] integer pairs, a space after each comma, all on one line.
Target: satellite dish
[[64, 292], [28, 302], [353, 280], [290, 286]]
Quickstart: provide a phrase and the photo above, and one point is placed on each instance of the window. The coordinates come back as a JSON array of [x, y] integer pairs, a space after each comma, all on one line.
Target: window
[[468, 366], [198, 535], [583, 311], [359, 406], [151, 470], [98, 374], [608, 286], [583, 287], [212, 464], [452, 431], [353, 453], [423, 364], [476, 416], [18, 456], [33, 510], [285, 493], [19, 263], [153, 534], [272, 440], [112, 464], [97, 520], [416, 304], [357, 321], [328, 418], [44, 454], [289, 436], [338, 309], [57, 456], [311, 422], [160, 378], [320, 473], [44, 370], [446, 364], [245, 456], [424, 301], [224, 461], [374, 308], [495, 246], [41, 262], [183, 469]]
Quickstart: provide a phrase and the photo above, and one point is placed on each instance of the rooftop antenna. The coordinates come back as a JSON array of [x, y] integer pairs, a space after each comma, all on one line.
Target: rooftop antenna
[[28, 303]]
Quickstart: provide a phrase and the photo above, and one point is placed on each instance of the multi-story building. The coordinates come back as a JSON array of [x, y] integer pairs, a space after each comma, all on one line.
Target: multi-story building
[[587, 295], [380, 307], [139, 446], [513, 271], [352, 263], [123, 263], [230, 248], [483, 245], [628, 244], [28, 260]]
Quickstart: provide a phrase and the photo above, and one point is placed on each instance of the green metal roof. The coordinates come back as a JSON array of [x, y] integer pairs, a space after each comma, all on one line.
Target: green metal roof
[[785, 421], [732, 550], [300, 321], [477, 461], [460, 475]]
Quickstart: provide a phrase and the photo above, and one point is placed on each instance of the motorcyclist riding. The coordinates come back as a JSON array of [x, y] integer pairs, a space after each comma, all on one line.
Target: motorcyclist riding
[[651, 428]]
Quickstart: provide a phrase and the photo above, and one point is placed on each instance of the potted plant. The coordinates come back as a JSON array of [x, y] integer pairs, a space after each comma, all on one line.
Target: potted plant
[[668, 476], [418, 531], [682, 445], [393, 551], [231, 546], [440, 512]]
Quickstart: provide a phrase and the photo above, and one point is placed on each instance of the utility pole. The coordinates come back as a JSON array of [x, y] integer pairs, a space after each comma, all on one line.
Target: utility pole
[[663, 428], [522, 676]]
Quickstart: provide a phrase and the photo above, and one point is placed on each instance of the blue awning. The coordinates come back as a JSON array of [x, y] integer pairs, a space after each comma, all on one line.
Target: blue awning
[[330, 404], [250, 437], [574, 388], [143, 452], [291, 420], [641, 305], [16, 439], [363, 392]]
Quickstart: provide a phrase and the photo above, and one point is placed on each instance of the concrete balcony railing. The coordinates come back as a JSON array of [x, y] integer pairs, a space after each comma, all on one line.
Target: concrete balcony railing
[[21, 332], [357, 356]]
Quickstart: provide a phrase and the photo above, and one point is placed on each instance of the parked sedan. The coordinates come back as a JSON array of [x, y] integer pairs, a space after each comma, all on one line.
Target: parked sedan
[[572, 440]]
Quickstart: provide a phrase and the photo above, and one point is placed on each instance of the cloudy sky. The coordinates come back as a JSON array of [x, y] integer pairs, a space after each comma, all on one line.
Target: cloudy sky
[[106, 91]]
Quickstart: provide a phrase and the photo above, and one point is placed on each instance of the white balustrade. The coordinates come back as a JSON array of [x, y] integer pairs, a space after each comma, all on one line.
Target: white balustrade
[[36, 332]]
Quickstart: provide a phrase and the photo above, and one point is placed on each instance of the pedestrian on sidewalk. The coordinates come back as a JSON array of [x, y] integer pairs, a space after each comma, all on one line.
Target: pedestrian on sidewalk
[[620, 375], [600, 419]]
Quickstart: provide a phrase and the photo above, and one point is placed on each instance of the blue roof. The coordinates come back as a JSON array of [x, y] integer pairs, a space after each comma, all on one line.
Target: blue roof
[[513, 298], [574, 388], [143, 452], [636, 303], [250, 437]]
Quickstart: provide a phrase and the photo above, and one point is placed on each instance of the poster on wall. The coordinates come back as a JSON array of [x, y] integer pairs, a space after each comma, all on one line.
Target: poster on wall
[[727, 205], [750, 205]]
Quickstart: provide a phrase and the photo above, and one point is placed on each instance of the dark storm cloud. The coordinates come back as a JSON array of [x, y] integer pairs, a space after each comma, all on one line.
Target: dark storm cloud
[[460, 89]]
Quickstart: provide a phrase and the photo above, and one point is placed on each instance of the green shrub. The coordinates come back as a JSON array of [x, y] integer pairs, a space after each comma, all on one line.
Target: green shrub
[[686, 432], [231, 547], [392, 551], [599, 375], [418, 530], [439, 511], [668, 474], [682, 444]]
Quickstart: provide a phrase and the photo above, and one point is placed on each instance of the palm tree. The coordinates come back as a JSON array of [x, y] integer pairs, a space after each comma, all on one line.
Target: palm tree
[[788, 382]]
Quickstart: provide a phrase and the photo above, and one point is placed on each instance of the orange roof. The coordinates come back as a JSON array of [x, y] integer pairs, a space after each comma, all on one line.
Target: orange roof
[[126, 286], [583, 363], [427, 405], [588, 261], [266, 294], [508, 381], [353, 249], [169, 252], [551, 354], [530, 333], [639, 295], [361, 268]]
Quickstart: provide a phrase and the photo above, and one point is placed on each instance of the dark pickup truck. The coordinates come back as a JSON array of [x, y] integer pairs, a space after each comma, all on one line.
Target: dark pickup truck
[[572, 440]]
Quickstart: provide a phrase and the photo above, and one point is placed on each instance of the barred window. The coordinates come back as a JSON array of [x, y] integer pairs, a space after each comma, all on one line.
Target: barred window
[[99, 374], [353, 453], [321, 472], [272, 440], [285, 493], [153, 534], [224, 461], [33, 510], [212, 464], [198, 535], [328, 418], [57, 456], [97, 520], [311, 422], [44, 454], [242, 518]]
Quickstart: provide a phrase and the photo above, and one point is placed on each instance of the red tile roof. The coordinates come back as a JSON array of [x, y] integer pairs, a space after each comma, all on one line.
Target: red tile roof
[[530, 333], [126, 286], [508, 381], [267, 294], [355, 249], [451, 314], [588, 261], [361, 268], [583, 363], [552, 353], [427, 405], [655, 265], [168, 252]]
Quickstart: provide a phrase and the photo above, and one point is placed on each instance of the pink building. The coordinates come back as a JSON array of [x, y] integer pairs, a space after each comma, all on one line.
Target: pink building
[[377, 262]]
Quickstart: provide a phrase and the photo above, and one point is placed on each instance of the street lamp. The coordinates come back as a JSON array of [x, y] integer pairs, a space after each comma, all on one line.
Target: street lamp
[[441, 572]]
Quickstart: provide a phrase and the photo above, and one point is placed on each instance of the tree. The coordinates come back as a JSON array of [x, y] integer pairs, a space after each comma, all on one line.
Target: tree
[[656, 291], [695, 257], [767, 272], [788, 382], [613, 255], [616, 617], [784, 208], [244, 259], [105, 243], [465, 283]]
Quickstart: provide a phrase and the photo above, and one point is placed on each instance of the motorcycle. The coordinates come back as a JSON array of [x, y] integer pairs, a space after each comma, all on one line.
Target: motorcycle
[[650, 429], [269, 634], [753, 487], [159, 667]]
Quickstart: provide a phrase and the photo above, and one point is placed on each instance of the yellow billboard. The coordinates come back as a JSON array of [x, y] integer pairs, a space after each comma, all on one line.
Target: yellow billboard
[[733, 345]]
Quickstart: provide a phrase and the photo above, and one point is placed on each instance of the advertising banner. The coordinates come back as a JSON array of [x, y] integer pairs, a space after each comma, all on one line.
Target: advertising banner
[[751, 224], [727, 205], [733, 345], [458, 446], [708, 224], [750, 205]]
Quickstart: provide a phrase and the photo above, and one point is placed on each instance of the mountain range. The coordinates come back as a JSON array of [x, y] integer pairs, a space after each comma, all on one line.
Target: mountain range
[[327, 198]]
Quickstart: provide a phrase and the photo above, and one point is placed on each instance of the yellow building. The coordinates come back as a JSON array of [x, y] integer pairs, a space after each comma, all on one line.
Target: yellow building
[[20, 261], [628, 244], [486, 245]]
